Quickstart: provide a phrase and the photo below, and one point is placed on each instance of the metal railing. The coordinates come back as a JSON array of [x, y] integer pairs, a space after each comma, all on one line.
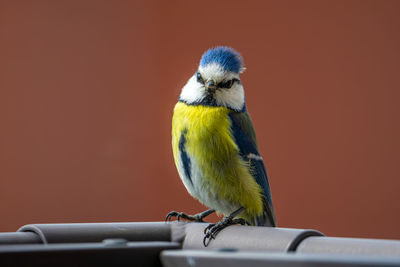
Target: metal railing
[[180, 244]]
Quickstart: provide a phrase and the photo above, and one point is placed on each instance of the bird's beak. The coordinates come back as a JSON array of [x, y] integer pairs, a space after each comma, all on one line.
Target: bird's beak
[[210, 86]]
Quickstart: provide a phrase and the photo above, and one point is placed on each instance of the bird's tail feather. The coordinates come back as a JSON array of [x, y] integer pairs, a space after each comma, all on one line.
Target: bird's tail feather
[[268, 216]]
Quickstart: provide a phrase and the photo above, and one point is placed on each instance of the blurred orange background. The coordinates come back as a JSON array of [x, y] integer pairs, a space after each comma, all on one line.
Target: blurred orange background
[[87, 90]]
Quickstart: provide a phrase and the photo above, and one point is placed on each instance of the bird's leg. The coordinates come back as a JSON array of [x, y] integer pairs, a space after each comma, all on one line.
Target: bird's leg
[[213, 229], [196, 218]]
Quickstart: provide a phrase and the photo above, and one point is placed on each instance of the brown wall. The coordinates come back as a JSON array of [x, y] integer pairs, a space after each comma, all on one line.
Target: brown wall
[[87, 90]]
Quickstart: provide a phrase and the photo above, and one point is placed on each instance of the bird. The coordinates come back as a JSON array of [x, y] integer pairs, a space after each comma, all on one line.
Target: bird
[[215, 146]]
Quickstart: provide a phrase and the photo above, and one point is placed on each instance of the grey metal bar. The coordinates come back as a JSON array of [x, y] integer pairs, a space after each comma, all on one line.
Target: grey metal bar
[[202, 258], [97, 232], [354, 246], [19, 238]]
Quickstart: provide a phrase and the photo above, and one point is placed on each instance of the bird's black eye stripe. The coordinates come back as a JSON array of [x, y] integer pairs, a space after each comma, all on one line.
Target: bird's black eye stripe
[[199, 78], [228, 84]]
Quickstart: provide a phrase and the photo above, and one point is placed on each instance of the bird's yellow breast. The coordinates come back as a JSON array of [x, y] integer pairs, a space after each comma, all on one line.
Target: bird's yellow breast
[[210, 143]]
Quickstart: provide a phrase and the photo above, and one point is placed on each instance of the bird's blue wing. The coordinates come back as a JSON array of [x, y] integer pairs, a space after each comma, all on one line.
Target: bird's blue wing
[[245, 138]]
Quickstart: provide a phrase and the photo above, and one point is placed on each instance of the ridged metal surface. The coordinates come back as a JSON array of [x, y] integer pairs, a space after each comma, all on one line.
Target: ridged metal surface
[[248, 238]]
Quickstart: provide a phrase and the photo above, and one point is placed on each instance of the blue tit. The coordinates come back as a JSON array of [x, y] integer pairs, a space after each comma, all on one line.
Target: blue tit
[[215, 147]]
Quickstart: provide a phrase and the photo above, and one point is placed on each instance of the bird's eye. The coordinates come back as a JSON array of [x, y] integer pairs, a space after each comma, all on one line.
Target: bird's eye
[[228, 84], [199, 78]]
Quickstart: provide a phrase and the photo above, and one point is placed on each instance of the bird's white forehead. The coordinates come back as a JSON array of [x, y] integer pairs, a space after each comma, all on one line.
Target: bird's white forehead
[[216, 72]]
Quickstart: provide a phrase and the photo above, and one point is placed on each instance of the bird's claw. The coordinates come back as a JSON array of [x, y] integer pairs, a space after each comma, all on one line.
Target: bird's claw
[[181, 215], [170, 215], [212, 230]]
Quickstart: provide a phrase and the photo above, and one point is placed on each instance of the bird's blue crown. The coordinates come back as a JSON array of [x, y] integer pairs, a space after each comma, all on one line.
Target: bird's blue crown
[[226, 57]]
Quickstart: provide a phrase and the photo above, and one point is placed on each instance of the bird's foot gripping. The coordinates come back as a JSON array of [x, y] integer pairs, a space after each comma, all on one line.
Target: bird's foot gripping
[[213, 229], [194, 218]]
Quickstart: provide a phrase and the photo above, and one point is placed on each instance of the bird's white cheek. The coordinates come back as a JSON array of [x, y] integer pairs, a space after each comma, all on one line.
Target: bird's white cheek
[[232, 98], [192, 92]]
